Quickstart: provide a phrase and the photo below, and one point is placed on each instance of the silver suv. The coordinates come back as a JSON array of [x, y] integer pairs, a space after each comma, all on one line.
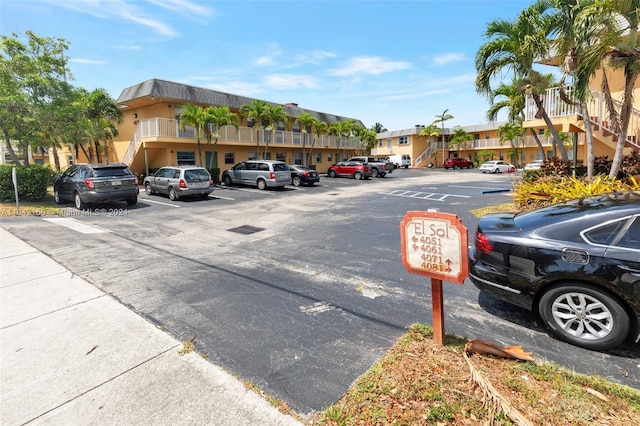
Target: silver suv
[[260, 173], [180, 181]]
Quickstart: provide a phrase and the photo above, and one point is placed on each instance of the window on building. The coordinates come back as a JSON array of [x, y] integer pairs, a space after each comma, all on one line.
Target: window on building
[[187, 158], [230, 157], [252, 156], [487, 136], [403, 140], [281, 157], [329, 157], [297, 158], [541, 132], [380, 142], [389, 143], [476, 136], [318, 158]]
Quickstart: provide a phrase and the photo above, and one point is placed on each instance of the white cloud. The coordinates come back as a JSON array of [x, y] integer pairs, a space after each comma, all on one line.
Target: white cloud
[[448, 58], [265, 60], [315, 57], [87, 61], [290, 81], [184, 7], [370, 65]]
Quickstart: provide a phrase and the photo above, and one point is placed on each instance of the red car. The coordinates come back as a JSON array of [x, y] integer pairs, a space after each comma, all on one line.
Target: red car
[[350, 169], [457, 163]]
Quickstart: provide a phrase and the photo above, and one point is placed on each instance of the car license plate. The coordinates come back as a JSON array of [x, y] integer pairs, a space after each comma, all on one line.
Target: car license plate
[[116, 183]]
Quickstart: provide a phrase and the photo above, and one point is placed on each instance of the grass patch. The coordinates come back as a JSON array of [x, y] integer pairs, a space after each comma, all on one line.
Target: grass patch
[[419, 382]]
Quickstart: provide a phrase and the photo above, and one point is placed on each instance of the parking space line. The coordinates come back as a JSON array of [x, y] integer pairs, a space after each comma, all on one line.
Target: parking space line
[[424, 195], [160, 202], [76, 225]]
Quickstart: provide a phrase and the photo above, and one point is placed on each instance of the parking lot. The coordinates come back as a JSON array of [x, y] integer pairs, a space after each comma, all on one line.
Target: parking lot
[[301, 290]]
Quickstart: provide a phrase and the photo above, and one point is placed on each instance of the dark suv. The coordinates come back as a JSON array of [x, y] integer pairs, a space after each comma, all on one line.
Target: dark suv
[[96, 183]]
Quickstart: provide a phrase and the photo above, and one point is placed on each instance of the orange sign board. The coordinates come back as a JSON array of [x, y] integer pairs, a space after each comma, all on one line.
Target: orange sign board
[[435, 244]]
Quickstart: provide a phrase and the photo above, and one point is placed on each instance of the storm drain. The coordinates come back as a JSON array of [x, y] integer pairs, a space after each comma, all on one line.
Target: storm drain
[[246, 229]]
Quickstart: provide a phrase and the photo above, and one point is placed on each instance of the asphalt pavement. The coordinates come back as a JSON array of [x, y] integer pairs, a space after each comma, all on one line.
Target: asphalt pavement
[[71, 354]]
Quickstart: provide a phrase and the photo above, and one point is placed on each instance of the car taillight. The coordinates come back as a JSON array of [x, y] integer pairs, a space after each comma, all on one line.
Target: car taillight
[[272, 175], [305, 174], [482, 243], [210, 182], [182, 183], [89, 183], [135, 179]]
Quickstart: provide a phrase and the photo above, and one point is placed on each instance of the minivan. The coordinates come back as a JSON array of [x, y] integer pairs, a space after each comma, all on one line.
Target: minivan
[[398, 161], [262, 174]]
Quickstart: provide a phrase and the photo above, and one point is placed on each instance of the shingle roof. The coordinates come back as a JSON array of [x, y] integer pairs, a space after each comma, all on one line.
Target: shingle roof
[[199, 95]]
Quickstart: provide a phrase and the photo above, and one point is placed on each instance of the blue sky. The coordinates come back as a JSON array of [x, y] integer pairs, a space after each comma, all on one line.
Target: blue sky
[[399, 63]]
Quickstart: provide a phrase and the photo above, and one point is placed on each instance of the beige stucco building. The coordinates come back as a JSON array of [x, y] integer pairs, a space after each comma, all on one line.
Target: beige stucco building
[[150, 135]]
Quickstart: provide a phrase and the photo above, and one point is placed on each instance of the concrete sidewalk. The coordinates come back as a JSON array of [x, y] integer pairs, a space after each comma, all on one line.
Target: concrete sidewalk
[[72, 355]]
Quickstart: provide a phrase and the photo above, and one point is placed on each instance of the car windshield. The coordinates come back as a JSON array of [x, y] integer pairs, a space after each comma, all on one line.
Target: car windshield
[[112, 172]]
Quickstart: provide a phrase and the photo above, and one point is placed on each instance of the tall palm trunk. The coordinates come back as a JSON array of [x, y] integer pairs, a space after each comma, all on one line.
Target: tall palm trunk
[[537, 139], [7, 143], [625, 116], [56, 158], [554, 133]]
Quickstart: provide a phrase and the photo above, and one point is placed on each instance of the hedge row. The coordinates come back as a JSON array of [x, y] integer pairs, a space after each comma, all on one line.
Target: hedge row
[[32, 182]]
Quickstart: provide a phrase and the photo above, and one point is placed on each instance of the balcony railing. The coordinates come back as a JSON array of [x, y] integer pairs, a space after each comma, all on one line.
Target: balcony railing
[[598, 113], [167, 128]]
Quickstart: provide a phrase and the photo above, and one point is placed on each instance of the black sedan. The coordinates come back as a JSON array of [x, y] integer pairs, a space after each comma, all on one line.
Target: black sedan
[[577, 264], [303, 175]]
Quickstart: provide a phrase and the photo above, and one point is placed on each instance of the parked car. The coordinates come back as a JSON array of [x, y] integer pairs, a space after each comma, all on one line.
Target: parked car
[[86, 184], [498, 166], [352, 169], [534, 165], [457, 163], [262, 174], [179, 182], [576, 264], [303, 176], [402, 160], [378, 167]]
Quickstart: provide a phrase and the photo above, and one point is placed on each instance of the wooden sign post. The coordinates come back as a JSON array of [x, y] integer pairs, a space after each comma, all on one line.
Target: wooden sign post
[[435, 244]]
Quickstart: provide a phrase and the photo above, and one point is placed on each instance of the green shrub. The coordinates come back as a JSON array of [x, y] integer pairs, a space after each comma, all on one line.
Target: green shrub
[[32, 182], [215, 174], [554, 189]]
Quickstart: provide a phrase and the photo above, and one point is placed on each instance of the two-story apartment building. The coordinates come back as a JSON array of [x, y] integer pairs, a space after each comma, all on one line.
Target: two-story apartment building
[[151, 136]]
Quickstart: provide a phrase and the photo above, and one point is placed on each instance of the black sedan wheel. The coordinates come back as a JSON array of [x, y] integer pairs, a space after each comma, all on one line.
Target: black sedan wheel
[[56, 196], [585, 316]]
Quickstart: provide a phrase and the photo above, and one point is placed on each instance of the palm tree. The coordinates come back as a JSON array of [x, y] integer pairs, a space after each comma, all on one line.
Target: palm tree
[[275, 115], [109, 131], [513, 99], [101, 110], [514, 46], [306, 122], [510, 132], [367, 137], [198, 118], [378, 128], [431, 131], [256, 112], [219, 116], [445, 116], [612, 27], [569, 43], [320, 128], [460, 138]]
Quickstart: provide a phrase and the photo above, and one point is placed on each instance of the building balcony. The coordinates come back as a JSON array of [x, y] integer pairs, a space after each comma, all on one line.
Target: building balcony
[[169, 130]]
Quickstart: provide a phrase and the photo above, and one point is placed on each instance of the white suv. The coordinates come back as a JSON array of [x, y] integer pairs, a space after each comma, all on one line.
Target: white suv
[[260, 173]]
